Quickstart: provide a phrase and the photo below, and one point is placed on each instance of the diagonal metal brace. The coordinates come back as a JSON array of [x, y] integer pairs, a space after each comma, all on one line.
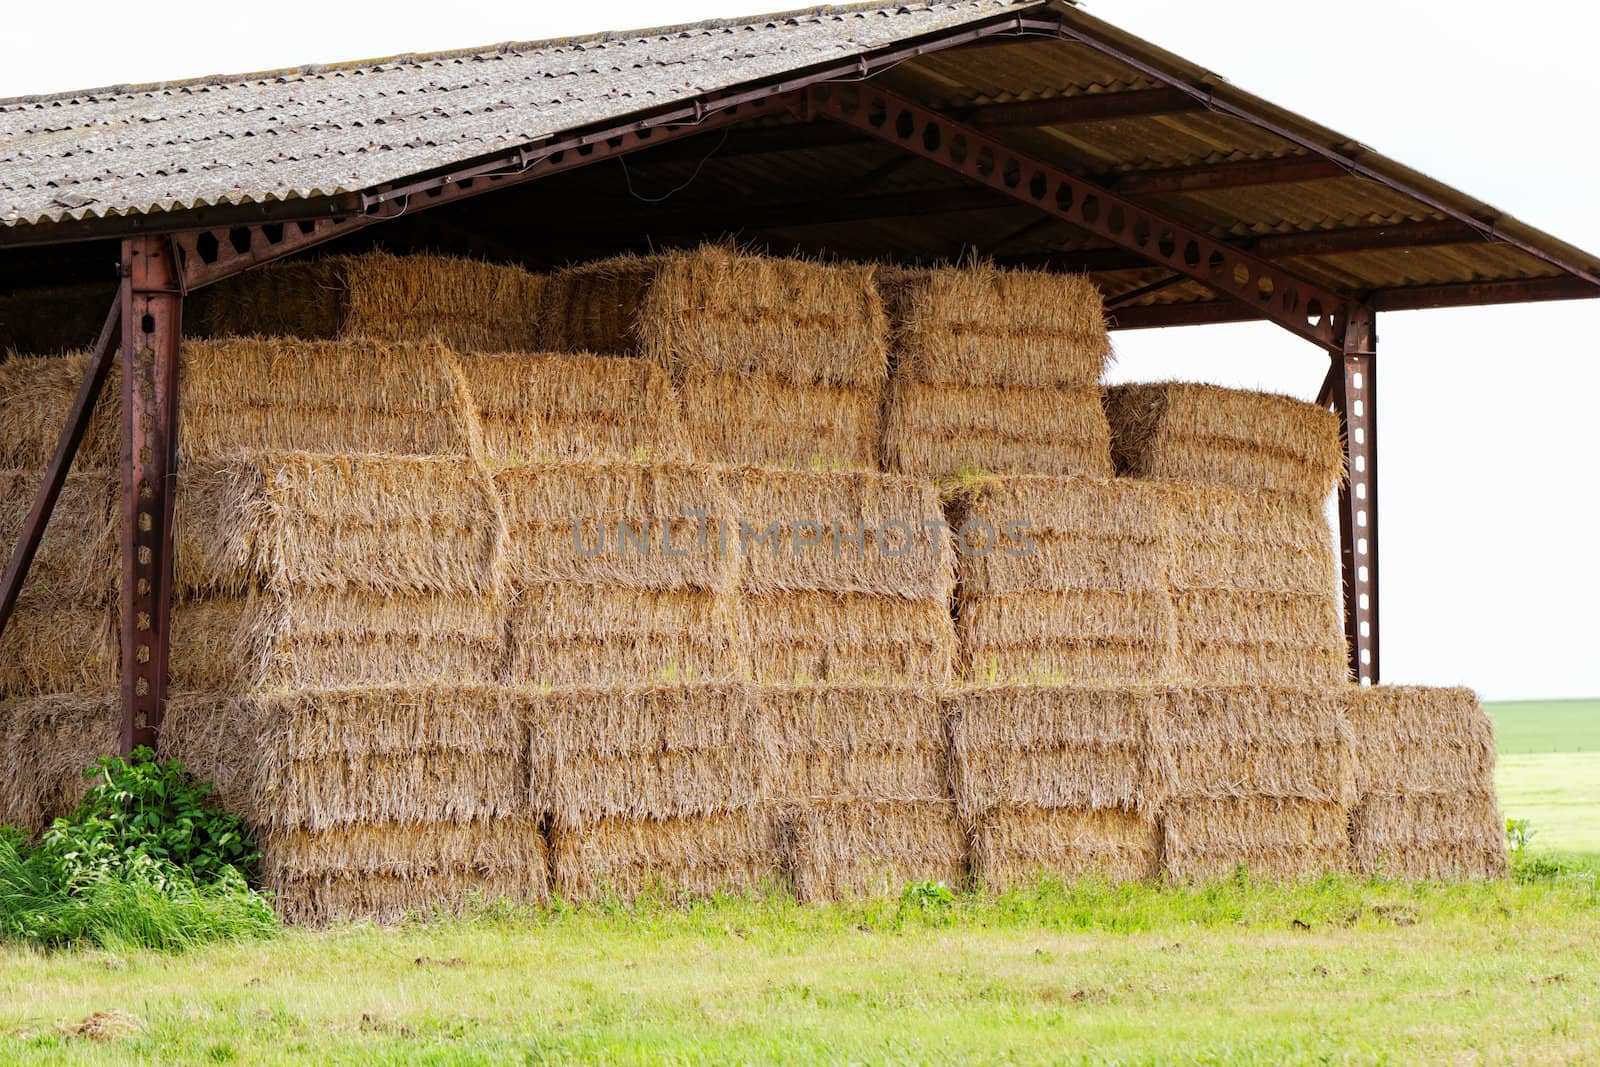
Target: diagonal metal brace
[[1300, 306]]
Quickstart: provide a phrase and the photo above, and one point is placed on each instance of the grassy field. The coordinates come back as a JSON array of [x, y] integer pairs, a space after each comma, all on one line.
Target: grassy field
[[1338, 972], [1549, 770]]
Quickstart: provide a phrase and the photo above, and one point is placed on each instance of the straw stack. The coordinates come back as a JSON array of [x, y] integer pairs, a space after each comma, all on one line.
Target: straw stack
[[1255, 777], [859, 781], [1255, 588], [471, 306], [1054, 780], [36, 392], [1425, 802], [1062, 580], [649, 786], [1181, 432], [46, 743], [778, 361], [996, 371], [617, 574], [373, 801], [845, 576]]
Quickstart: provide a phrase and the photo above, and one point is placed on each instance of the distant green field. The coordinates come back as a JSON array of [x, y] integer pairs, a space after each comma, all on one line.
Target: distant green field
[[1549, 770]]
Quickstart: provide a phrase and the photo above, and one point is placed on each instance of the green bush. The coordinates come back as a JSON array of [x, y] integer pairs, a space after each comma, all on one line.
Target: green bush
[[144, 860]]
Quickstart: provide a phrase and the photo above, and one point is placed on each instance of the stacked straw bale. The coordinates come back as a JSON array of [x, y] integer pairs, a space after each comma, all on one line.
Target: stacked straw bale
[[469, 305], [1255, 589], [997, 371], [1425, 802], [46, 744], [36, 392], [372, 801], [859, 781], [1182, 432], [1056, 780], [617, 573], [780, 362], [1253, 776], [845, 576], [653, 786], [1063, 580]]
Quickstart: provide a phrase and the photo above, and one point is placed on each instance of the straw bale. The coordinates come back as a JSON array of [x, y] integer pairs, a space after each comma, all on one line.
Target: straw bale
[[258, 393], [1065, 638], [938, 431], [631, 525], [845, 743], [565, 633], [215, 742], [1184, 432], [849, 637], [1430, 836], [78, 557], [718, 309], [1017, 844], [470, 305], [36, 392], [841, 532], [1251, 742], [1412, 740], [388, 870], [257, 641], [549, 406], [56, 646], [732, 417], [633, 752], [1230, 637], [1032, 747], [46, 744], [1282, 838], [859, 848], [594, 306], [980, 325], [696, 856], [53, 318]]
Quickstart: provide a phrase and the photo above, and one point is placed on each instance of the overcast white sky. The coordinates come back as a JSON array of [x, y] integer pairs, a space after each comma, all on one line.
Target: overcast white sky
[[1488, 439]]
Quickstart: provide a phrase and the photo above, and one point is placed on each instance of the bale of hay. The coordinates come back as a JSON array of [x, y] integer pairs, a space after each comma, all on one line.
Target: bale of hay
[[46, 745], [1022, 747], [387, 871], [79, 556], [1013, 845], [284, 394], [768, 419], [1255, 586], [1425, 783], [568, 633], [693, 856], [53, 318], [1255, 777], [470, 305], [36, 392], [594, 306], [642, 752], [938, 431], [1182, 432], [981, 325], [814, 636], [52, 645], [837, 849], [1062, 579], [842, 743], [538, 408]]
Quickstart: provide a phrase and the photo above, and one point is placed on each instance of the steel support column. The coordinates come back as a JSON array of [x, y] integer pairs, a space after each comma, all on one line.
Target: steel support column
[[152, 325], [1352, 388]]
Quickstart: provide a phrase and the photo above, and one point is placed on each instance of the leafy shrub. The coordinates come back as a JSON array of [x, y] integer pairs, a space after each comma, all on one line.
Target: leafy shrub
[[144, 860]]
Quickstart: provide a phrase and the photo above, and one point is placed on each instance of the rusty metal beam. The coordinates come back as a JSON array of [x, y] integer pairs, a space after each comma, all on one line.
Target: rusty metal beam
[[1188, 313], [1300, 306], [1234, 175], [1477, 294], [55, 476], [1091, 107], [1354, 396], [152, 327]]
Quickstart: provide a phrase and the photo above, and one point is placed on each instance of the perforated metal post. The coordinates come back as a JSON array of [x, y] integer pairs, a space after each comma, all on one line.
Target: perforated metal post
[[152, 325], [1354, 392]]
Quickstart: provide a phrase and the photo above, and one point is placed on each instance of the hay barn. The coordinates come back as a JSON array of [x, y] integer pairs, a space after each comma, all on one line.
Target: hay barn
[[704, 478]]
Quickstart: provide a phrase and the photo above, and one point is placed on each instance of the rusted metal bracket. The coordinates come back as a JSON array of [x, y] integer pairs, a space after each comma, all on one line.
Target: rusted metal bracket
[[1352, 390], [1299, 306], [152, 326]]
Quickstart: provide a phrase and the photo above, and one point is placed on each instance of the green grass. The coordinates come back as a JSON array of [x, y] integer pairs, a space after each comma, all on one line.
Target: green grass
[[1336, 972], [1549, 770]]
